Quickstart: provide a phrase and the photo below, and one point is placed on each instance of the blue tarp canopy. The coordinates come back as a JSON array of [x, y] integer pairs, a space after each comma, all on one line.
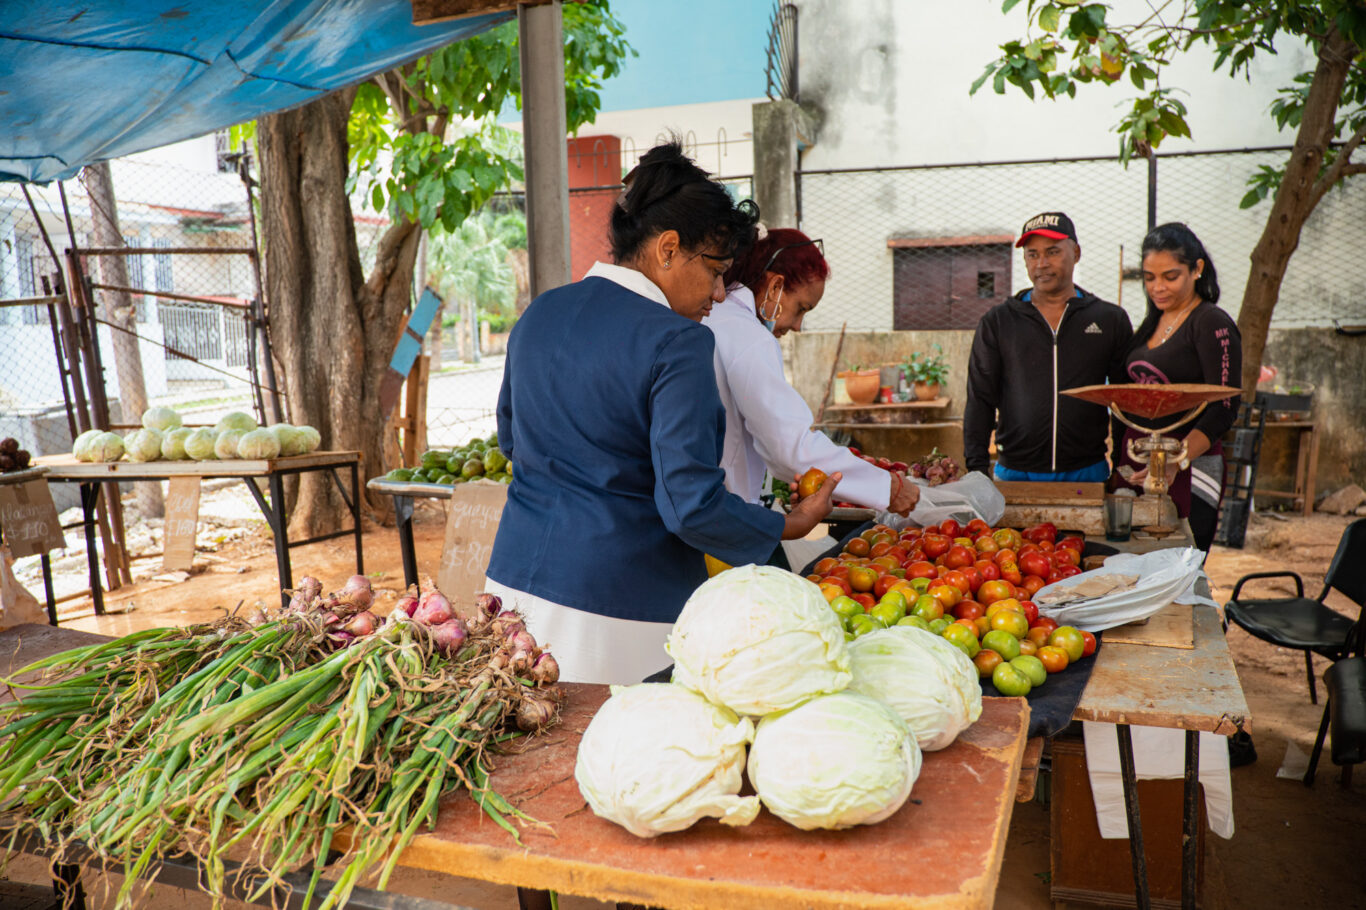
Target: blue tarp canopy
[[86, 81]]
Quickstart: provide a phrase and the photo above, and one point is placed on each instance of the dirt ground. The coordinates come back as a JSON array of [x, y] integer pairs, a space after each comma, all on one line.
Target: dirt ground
[[1292, 843]]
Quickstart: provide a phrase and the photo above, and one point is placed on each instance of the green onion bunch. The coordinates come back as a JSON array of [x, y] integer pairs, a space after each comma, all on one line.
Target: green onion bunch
[[273, 742]]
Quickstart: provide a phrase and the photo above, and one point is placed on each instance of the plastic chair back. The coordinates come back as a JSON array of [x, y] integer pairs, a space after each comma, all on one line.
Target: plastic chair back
[[1347, 573]]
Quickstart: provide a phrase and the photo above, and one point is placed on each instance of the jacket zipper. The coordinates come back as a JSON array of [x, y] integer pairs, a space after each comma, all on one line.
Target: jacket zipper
[[1054, 461]]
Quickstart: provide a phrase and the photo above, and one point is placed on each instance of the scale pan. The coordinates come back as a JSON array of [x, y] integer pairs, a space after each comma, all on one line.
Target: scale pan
[[1151, 401]]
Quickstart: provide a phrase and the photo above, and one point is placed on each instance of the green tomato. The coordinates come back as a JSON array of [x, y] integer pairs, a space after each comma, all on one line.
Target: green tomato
[[963, 637], [889, 614], [1031, 667], [928, 608], [920, 585], [846, 607], [1003, 643], [937, 626], [896, 597], [916, 622], [1010, 680], [863, 624]]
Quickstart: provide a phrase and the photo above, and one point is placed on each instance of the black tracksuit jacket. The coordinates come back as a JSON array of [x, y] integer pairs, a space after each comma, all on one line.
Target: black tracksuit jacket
[[1017, 372]]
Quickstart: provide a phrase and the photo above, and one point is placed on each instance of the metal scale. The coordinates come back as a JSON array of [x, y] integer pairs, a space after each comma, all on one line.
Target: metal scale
[[1154, 448]]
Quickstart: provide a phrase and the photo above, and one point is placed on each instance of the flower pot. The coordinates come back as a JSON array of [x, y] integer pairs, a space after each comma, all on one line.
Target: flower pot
[[926, 391], [861, 385]]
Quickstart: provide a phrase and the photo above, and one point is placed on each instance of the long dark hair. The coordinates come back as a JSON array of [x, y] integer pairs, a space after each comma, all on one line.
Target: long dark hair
[[667, 191], [1179, 240]]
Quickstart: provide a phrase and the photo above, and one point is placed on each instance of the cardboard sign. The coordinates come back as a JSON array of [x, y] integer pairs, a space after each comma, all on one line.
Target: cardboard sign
[[471, 523], [182, 519], [29, 519]]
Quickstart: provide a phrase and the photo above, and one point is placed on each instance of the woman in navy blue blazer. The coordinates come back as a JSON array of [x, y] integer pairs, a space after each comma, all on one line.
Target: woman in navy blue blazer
[[610, 413]]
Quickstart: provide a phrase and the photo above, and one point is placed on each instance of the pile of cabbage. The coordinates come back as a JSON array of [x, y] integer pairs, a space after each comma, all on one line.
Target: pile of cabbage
[[163, 437], [829, 731]]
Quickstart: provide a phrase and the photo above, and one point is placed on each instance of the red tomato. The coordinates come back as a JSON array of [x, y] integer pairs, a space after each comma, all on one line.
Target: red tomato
[[1032, 584], [1031, 611], [985, 544], [879, 548], [968, 609], [957, 579], [1042, 531], [825, 565], [865, 599], [1044, 622], [911, 534], [1008, 538], [883, 585], [898, 553], [862, 578], [959, 556], [992, 591], [1011, 572], [814, 578], [1074, 543], [921, 569], [990, 571], [974, 577], [936, 545], [950, 528], [1035, 563], [841, 583], [1038, 635], [1066, 556], [1089, 644], [839, 571], [857, 547], [977, 527], [1054, 659]]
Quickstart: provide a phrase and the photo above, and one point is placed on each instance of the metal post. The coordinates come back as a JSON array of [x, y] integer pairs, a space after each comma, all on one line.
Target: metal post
[[541, 39], [1129, 778], [47, 590], [1152, 190], [403, 516], [355, 516], [1190, 814], [90, 493]]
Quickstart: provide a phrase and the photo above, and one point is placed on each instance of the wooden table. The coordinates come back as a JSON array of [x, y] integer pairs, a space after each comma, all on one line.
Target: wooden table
[[899, 415], [90, 475], [1186, 689], [24, 476], [943, 848], [1306, 462]]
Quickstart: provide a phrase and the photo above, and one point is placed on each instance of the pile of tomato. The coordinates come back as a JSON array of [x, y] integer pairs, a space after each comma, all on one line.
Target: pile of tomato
[[969, 583]]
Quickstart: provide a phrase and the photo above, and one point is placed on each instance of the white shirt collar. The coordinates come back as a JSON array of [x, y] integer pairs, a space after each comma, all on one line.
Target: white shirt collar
[[631, 279]]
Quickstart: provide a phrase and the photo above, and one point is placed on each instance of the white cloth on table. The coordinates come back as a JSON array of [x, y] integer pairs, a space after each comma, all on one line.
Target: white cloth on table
[[589, 648], [1159, 754]]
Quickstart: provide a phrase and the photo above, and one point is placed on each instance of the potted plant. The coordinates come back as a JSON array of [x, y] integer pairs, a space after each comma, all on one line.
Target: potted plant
[[859, 384], [926, 373]]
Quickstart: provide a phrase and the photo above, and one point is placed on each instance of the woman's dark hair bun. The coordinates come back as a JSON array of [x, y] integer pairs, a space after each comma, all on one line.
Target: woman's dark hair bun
[[667, 191]]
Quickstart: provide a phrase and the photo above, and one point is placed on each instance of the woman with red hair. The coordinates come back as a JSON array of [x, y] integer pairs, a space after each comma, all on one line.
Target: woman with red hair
[[769, 291]]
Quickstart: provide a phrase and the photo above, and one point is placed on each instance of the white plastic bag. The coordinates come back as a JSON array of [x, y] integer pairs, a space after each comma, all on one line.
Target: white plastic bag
[[971, 496], [1163, 575]]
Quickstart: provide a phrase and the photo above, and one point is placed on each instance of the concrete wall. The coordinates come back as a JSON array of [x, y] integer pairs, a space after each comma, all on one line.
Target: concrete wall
[[1334, 363]]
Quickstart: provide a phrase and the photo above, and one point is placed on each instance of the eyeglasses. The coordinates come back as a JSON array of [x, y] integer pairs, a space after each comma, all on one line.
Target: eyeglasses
[[820, 245]]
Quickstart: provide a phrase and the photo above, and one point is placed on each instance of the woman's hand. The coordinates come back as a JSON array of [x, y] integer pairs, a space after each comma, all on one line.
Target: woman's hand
[[809, 511], [1142, 474], [904, 497]]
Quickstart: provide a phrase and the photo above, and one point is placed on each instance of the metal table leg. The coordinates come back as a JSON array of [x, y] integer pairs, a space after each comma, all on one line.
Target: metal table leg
[[403, 513], [274, 511], [1136, 855], [67, 887], [90, 495], [47, 590], [355, 514], [1189, 819]]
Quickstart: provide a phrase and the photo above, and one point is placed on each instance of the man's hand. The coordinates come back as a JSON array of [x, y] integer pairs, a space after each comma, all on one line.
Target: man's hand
[[807, 512], [904, 497]]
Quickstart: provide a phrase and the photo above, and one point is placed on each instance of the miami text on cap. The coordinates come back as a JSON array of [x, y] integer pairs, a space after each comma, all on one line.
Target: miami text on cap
[[1054, 225]]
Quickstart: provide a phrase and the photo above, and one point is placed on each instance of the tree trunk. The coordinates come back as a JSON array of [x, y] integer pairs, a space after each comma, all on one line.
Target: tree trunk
[[1294, 202], [332, 329], [117, 307]]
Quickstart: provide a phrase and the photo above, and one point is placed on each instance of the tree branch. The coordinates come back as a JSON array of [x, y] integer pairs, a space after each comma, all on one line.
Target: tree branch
[[1342, 166]]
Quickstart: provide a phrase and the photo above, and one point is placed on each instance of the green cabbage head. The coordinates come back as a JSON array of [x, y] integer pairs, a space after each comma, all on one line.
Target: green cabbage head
[[926, 679]]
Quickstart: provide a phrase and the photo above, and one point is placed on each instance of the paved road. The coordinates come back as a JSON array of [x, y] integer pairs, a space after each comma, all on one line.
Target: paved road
[[461, 403]]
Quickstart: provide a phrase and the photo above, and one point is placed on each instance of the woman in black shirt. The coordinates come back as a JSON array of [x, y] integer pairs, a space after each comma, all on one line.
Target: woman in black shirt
[[1186, 337]]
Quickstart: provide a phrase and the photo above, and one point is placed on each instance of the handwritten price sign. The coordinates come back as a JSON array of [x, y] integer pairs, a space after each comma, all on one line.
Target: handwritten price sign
[[471, 524], [29, 519], [182, 518]]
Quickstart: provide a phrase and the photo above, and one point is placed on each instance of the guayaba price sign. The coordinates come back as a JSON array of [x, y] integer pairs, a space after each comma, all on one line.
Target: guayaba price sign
[[472, 520], [29, 519]]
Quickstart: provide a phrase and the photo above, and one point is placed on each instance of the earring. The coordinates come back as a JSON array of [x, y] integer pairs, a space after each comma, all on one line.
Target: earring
[[668, 262]]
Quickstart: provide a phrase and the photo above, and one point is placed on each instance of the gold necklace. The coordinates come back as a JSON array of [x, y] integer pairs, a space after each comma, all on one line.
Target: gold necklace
[[1179, 319]]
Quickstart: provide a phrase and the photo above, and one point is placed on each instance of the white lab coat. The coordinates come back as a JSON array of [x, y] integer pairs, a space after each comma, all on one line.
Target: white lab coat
[[768, 424]]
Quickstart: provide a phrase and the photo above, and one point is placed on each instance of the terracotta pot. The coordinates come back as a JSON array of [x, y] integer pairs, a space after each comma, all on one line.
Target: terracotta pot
[[862, 385], [926, 391]]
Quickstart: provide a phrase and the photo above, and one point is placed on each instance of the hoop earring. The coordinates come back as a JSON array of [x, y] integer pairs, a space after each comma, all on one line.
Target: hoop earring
[[778, 306]]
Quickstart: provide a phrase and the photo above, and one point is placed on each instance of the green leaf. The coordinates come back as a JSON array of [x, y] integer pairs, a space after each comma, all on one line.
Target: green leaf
[[978, 82], [1049, 17], [377, 198], [1008, 5], [1250, 199]]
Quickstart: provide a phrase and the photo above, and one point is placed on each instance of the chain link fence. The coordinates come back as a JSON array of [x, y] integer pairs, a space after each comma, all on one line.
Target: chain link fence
[[932, 247]]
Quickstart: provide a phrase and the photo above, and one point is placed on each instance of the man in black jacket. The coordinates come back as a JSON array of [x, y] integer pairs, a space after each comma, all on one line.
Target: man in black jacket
[[1029, 348]]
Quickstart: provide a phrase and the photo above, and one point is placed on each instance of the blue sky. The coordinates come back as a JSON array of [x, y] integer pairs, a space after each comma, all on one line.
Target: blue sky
[[704, 50]]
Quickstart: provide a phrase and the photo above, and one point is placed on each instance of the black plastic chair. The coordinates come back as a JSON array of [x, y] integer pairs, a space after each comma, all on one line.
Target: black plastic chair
[[1308, 625], [1344, 713]]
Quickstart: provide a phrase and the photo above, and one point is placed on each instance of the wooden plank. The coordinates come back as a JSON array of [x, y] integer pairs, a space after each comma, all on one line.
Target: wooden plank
[[66, 467], [29, 518], [403, 488], [1034, 493], [1171, 627], [1029, 769], [428, 12], [1168, 687], [932, 404], [942, 849], [929, 425], [23, 476]]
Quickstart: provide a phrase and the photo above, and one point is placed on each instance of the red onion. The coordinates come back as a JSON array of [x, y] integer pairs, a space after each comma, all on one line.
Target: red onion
[[257, 617], [407, 603], [488, 605], [331, 619], [449, 636], [363, 623], [342, 638], [522, 640], [358, 591], [433, 609], [534, 713], [546, 669], [507, 623], [302, 597], [521, 661], [499, 660]]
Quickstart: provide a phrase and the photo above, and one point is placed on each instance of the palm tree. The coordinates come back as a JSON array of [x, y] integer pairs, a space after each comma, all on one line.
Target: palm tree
[[469, 267]]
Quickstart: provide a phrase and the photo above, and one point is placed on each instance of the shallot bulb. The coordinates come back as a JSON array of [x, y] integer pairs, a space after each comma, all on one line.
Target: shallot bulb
[[546, 669], [507, 623], [407, 604], [433, 609], [257, 617], [488, 606], [534, 713], [302, 597], [521, 661], [331, 619], [358, 591], [522, 640], [449, 636], [363, 623], [342, 638]]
